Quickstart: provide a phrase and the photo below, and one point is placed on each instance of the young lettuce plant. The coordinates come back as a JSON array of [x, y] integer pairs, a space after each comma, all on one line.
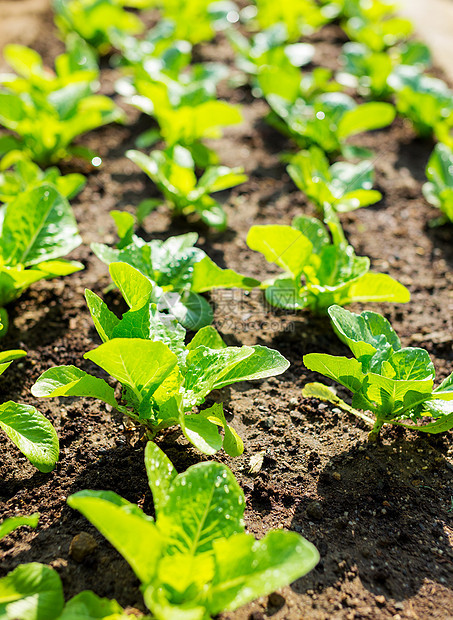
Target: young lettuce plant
[[300, 18], [162, 379], [47, 110], [156, 52], [368, 71], [186, 107], [93, 20], [438, 191], [178, 271], [197, 21], [35, 591], [37, 229], [173, 172], [26, 175], [342, 186], [378, 34], [396, 384], [195, 559], [318, 272], [424, 100], [326, 119], [28, 429], [268, 49]]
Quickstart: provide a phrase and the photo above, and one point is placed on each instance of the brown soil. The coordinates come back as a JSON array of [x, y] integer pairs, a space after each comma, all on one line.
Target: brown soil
[[380, 515]]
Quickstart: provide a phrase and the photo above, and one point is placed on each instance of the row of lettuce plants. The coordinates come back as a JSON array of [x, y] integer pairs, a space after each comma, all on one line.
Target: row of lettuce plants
[[194, 558]]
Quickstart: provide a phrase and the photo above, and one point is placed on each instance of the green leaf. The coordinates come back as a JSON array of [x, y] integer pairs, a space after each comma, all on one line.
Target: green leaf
[[71, 381], [104, 320], [31, 592], [285, 293], [7, 357], [88, 606], [9, 525], [192, 310], [346, 371], [205, 503], [126, 527], [23, 60], [149, 324], [141, 365], [313, 229], [208, 276], [364, 333], [249, 568], [207, 336], [322, 392], [202, 433], [283, 245], [412, 363], [160, 472], [205, 369], [39, 225], [262, 363], [365, 117], [125, 223], [134, 286], [31, 432], [445, 388], [392, 397], [232, 443], [377, 287]]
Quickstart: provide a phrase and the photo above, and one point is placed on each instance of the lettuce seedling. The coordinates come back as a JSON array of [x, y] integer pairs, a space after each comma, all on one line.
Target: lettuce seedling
[[27, 428], [157, 51], [396, 384], [178, 271], [38, 228], [162, 379], [26, 175], [93, 20], [378, 34], [319, 273], [300, 18], [173, 172], [326, 120], [424, 100], [185, 107], [195, 559], [35, 591], [198, 20], [365, 70], [343, 186], [438, 191], [368, 71], [47, 110], [268, 48]]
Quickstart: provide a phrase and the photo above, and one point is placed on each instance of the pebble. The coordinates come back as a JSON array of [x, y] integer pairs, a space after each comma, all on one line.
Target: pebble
[[380, 600], [81, 546], [276, 600], [314, 510], [336, 475]]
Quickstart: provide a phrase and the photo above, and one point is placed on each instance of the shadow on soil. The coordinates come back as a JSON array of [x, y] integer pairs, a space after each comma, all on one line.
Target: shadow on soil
[[375, 501]]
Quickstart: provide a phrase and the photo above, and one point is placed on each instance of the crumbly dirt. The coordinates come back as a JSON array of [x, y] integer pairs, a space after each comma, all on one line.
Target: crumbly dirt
[[380, 515]]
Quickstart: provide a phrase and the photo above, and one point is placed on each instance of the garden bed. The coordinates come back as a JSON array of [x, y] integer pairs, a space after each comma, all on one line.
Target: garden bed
[[380, 515]]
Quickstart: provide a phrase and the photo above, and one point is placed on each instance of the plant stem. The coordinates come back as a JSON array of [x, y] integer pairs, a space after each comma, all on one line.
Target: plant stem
[[374, 433]]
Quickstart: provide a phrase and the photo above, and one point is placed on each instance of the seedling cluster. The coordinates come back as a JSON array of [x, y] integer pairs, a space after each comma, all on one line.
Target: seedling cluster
[[194, 558]]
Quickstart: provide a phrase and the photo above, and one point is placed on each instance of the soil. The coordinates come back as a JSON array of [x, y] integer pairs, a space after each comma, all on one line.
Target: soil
[[380, 515]]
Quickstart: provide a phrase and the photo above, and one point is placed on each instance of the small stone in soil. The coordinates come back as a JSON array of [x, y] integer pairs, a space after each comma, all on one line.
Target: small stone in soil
[[314, 510], [276, 600], [81, 546]]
